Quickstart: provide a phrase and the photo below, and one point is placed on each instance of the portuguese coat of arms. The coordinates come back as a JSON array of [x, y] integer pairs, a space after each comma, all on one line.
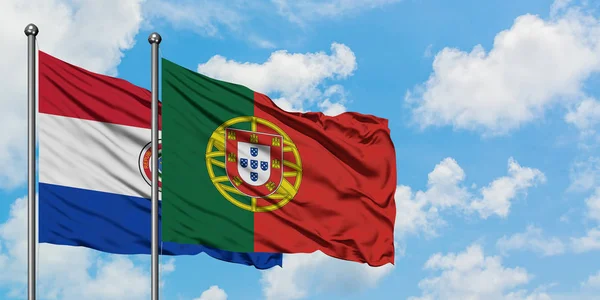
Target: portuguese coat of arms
[[253, 161]]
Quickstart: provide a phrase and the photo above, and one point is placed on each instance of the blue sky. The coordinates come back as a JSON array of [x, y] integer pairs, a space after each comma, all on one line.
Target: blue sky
[[493, 111]]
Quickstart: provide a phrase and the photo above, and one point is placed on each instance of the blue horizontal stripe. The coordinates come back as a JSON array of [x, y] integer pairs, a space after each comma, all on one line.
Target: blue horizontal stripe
[[117, 224]]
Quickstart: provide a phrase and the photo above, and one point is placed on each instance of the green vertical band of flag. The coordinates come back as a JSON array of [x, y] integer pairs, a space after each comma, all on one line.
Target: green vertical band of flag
[[193, 210]]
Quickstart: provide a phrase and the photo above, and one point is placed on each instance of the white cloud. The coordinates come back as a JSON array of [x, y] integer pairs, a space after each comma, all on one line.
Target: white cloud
[[118, 278], [472, 275], [68, 272], [297, 77], [420, 211], [415, 213], [586, 115], [532, 239], [496, 196], [213, 293], [593, 205], [301, 11], [588, 291], [532, 66], [305, 273], [589, 242], [593, 282], [586, 118], [524, 295], [334, 99], [204, 16], [559, 6], [585, 174], [331, 109], [93, 43], [168, 267], [443, 184]]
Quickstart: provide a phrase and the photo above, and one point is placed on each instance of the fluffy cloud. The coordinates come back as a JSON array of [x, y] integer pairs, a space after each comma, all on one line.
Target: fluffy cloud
[[213, 293], [415, 213], [297, 77], [532, 66], [304, 273], [585, 174], [586, 115], [419, 211], [593, 282], [204, 17], [535, 295], [472, 275], [593, 206], [558, 6], [68, 272], [302, 11], [92, 43], [496, 196], [589, 242], [532, 239]]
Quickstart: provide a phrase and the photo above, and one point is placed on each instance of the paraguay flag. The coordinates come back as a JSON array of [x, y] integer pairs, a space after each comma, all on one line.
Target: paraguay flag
[[94, 166]]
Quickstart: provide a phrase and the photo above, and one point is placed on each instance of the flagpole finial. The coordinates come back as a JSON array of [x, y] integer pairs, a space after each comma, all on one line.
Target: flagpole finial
[[31, 29], [154, 38]]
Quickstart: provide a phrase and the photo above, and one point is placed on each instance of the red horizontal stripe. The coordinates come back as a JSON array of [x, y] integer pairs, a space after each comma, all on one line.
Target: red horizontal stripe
[[70, 91]]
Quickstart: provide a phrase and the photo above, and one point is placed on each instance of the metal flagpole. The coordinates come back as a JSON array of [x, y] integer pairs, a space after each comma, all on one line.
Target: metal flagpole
[[31, 32], [154, 40]]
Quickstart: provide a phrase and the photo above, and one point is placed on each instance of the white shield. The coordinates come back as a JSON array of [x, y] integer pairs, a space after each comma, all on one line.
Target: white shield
[[254, 163]]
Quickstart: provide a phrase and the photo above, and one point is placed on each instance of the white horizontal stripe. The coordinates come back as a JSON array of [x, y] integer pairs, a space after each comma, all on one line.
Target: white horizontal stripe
[[92, 155]]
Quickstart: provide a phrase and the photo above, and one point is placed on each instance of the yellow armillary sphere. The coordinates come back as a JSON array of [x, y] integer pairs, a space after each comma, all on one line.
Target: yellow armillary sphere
[[254, 164]]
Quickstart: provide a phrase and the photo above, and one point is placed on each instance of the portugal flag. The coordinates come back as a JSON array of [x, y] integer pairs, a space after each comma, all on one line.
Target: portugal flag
[[241, 174]]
